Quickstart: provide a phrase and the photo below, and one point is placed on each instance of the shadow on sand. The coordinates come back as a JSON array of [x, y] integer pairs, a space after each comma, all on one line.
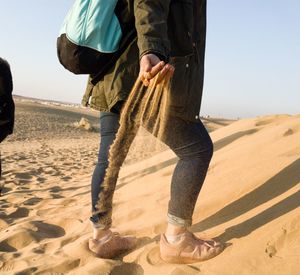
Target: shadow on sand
[[243, 229], [227, 140], [154, 168], [280, 183]]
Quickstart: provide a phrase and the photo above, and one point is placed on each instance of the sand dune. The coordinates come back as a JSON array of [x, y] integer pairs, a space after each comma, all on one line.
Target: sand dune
[[250, 199]]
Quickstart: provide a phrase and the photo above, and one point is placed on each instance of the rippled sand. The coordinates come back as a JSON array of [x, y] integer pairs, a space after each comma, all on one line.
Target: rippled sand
[[250, 199]]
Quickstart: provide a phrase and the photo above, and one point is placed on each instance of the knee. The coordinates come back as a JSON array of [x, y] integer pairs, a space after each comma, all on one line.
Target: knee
[[200, 151], [102, 162], [109, 124], [210, 149], [206, 150], [109, 131]]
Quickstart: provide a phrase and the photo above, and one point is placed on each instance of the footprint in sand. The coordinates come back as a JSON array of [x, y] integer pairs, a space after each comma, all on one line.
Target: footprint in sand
[[68, 240], [57, 174], [21, 212], [57, 196], [55, 189], [24, 188], [40, 179], [43, 230], [279, 241], [127, 269], [67, 163], [48, 171], [5, 247], [39, 249], [3, 187], [9, 160], [270, 250], [39, 171], [23, 176], [3, 202], [66, 178], [20, 157], [32, 201], [34, 172], [153, 257], [17, 255], [288, 132], [17, 240]]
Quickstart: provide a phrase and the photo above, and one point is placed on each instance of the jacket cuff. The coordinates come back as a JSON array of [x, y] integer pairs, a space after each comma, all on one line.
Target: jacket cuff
[[158, 54], [156, 48]]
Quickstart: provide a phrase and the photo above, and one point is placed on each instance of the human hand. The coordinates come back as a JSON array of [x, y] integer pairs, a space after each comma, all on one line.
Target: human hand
[[150, 66]]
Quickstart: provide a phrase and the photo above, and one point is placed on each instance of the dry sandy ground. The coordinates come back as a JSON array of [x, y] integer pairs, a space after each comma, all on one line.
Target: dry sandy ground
[[250, 199]]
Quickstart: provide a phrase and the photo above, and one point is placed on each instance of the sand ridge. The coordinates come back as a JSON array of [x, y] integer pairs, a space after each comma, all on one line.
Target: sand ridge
[[250, 199]]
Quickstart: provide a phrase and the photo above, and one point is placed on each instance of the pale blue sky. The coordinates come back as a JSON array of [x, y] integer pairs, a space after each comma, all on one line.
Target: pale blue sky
[[252, 60]]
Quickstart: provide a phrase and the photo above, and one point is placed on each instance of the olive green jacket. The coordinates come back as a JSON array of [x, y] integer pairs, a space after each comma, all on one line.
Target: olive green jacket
[[175, 30]]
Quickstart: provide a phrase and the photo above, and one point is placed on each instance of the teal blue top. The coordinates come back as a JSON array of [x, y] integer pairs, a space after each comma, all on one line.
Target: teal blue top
[[93, 24]]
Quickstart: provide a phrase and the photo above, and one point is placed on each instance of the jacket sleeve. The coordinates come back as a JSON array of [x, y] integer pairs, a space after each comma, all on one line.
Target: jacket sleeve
[[151, 24]]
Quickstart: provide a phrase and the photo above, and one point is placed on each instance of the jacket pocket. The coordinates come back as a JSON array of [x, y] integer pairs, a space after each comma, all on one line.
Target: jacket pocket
[[180, 82]]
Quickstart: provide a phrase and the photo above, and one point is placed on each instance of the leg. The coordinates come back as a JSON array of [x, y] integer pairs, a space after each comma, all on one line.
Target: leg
[[109, 125], [105, 243], [193, 146], [129, 125]]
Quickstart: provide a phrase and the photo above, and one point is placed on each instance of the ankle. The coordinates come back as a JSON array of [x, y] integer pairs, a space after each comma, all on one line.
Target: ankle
[[100, 233], [173, 230], [174, 239]]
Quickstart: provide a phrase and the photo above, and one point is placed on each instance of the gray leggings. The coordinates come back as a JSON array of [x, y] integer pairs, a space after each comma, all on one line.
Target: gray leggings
[[193, 147]]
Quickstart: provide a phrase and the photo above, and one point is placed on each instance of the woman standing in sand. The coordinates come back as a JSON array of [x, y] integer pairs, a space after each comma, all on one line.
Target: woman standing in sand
[[168, 31]]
